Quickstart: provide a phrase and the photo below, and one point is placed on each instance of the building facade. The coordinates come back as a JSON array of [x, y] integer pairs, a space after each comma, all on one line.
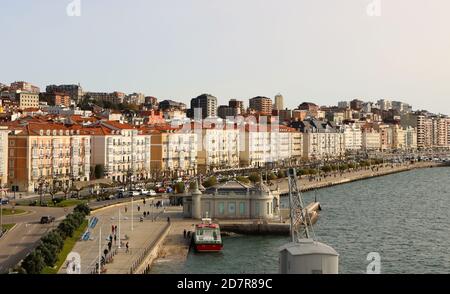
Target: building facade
[[232, 200], [205, 103], [3, 156], [122, 150], [262, 105], [173, 152], [49, 154], [27, 100]]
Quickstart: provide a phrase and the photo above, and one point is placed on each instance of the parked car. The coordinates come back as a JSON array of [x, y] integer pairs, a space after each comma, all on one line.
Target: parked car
[[5, 201], [142, 192], [161, 190], [151, 193], [133, 193], [47, 219]]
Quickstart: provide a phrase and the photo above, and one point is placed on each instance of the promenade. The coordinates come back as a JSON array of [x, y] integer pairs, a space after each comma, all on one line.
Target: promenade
[[139, 236], [336, 178]]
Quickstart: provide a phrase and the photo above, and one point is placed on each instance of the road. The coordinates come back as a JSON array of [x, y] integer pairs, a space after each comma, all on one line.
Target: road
[[24, 237]]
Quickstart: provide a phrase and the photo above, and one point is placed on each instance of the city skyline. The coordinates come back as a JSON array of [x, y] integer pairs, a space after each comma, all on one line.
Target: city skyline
[[227, 50]]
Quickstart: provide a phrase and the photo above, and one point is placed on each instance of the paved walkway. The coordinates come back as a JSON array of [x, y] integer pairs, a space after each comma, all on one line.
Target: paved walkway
[[139, 236], [336, 178]]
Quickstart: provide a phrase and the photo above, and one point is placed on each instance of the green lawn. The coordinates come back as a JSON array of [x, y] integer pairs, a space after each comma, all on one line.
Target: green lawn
[[69, 202], [69, 243], [8, 211], [7, 226]]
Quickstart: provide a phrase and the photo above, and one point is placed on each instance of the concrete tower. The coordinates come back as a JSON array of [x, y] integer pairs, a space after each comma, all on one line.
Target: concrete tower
[[196, 201]]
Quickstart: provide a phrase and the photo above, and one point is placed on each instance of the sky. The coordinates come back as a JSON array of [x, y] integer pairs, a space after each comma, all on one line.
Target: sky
[[322, 51]]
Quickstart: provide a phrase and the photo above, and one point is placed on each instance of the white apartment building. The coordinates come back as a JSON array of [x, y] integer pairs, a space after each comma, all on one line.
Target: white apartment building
[[370, 140], [123, 150], [285, 144], [3, 156], [410, 134], [255, 148], [352, 137], [218, 148]]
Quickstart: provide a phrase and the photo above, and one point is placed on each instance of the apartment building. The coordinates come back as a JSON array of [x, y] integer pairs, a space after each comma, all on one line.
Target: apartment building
[[173, 151], [23, 87], [122, 150], [205, 103], [386, 132], [399, 137], [352, 137], [50, 154], [410, 134], [424, 132], [27, 100], [321, 140], [262, 105], [3, 156], [285, 144], [255, 146], [370, 139], [74, 91], [218, 147], [440, 132]]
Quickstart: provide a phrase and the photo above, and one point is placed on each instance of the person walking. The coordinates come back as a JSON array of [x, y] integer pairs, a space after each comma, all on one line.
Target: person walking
[[126, 209], [184, 234], [127, 248]]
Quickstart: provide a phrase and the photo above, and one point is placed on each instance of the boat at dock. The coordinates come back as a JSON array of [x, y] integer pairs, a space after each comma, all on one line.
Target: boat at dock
[[207, 237]]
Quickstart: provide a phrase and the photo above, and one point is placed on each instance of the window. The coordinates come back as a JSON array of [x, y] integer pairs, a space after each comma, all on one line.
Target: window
[[12, 143], [242, 208], [11, 152], [232, 208], [221, 208], [268, 208], [257, 209]]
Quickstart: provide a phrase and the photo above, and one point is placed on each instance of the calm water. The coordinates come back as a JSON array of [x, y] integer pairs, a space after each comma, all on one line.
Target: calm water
[[404, 217]]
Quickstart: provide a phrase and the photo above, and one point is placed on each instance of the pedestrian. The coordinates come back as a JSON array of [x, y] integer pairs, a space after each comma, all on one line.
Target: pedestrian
[[115, 228], [126, 209], [112, 229], [168, 219], [184, 234], [139, 208], [115, 239], [127, 246]]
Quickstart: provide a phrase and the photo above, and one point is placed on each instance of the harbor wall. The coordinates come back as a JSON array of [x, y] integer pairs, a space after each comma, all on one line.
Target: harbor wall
[[146, 262], [256, 229], [331, 182]]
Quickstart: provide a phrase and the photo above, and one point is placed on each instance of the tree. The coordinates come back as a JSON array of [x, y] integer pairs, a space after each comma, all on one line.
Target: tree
[[211, 181], [49, 253], [53, 238], [33, 263], [99, 171], [179, 187], [243, 179], [255, 177], [281, 174], [83, 208]]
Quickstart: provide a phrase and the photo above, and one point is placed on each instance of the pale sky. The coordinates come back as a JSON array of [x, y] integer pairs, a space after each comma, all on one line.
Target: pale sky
[[321, 51]]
